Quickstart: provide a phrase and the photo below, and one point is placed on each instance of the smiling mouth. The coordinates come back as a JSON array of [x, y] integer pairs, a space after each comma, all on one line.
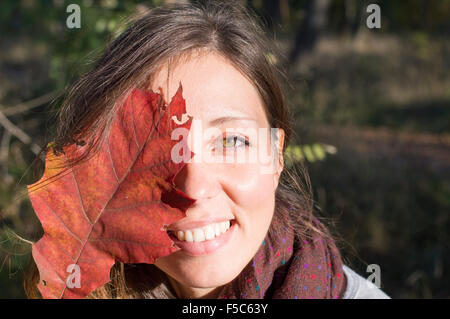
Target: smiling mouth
[[205, 233]]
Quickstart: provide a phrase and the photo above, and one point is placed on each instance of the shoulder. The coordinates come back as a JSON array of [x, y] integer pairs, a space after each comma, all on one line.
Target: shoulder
[[359, 287]]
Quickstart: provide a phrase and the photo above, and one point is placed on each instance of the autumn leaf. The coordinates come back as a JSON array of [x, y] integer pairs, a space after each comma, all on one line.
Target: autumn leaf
[[114, 206]]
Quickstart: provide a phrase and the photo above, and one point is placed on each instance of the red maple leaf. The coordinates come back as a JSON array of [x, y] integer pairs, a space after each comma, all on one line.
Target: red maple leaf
[[114, 206]]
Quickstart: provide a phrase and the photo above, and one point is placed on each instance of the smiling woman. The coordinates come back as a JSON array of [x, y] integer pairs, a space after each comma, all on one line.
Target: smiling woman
[[234, 201], [251, 232]]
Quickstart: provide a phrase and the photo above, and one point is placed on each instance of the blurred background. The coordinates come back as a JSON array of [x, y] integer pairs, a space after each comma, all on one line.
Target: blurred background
[[371, 113]]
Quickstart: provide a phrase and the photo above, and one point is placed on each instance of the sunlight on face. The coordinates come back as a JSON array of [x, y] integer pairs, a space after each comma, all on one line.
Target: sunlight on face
[[218, 96]]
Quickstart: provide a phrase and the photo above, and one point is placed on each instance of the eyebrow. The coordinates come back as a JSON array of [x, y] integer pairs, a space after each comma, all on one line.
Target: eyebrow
[[225, 119]]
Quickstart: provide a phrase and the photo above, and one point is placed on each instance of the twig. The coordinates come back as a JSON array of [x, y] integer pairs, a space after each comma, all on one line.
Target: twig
[[4, 146], [17, 132], [26, 106], [4, 152]]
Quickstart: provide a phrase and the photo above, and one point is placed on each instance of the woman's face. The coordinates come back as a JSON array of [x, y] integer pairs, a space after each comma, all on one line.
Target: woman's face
[[225, 107]]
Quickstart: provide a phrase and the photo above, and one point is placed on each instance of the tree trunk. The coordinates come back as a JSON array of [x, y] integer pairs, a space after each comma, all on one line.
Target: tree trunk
[[310, 29], [272, 13]]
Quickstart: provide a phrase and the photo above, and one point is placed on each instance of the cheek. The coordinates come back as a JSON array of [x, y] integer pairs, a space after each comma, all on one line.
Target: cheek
[[247, 187]]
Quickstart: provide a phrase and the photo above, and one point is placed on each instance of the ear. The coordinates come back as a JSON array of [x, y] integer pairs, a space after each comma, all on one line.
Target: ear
[[280, 164]]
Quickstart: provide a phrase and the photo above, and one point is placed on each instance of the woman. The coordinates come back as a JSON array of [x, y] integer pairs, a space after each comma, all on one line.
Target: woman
[[251, 232]]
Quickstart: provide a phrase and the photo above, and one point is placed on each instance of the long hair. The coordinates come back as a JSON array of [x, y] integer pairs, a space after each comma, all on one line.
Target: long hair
[[163, 35]]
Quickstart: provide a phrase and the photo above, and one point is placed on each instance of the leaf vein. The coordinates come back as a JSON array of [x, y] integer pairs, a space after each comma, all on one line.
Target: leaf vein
[[62, 223], [131, 206], [151, 166], [134, 130], [79, 196], [112, 162]]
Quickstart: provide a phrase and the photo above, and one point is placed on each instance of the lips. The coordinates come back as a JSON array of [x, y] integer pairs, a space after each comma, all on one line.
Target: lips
[[204, 247]]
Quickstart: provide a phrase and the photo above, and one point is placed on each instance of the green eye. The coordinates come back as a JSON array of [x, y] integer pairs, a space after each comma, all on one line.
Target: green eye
[[234, 141]]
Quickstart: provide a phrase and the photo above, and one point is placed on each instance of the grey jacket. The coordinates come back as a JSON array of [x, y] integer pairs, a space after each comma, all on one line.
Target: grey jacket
[[359, 287]]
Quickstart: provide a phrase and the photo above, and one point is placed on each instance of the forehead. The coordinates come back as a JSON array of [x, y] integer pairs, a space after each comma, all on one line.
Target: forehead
[[212, 87]]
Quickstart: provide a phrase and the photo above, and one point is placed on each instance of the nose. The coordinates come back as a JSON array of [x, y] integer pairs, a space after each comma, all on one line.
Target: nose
[[197, 181]]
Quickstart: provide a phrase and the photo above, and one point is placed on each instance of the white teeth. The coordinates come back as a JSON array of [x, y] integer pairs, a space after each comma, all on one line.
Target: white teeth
[[199, 235], [209, 232], [224, 226], [217, 230], [188, 236], [205, 233]]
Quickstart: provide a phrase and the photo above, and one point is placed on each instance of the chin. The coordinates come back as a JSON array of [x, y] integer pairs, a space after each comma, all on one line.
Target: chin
[[207, 277]]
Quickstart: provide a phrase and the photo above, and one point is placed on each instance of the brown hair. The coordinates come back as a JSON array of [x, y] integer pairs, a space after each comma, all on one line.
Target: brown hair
[[164, 34]]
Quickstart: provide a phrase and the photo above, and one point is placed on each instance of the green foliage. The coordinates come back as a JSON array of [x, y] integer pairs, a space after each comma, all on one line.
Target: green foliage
[[311, 153]]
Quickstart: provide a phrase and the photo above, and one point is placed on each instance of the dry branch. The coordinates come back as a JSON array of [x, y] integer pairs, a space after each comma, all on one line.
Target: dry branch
[[17, 132], [26, 106]]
